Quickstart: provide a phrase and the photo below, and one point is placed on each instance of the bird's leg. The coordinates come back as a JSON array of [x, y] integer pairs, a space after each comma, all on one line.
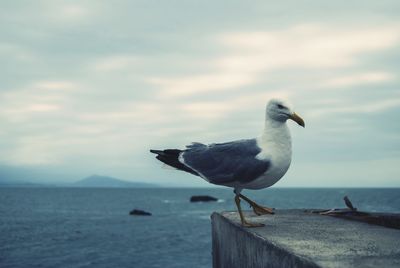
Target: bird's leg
[[259, 210], [242, 219]]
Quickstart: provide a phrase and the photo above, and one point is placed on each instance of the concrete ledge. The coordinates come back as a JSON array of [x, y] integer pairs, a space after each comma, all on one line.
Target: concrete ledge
[[293, 238]]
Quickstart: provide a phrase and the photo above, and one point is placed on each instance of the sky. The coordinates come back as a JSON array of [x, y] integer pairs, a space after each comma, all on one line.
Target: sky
[[88, 87]]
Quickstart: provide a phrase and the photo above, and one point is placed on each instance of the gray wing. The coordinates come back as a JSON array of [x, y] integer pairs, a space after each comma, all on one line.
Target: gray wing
[[226, 162]]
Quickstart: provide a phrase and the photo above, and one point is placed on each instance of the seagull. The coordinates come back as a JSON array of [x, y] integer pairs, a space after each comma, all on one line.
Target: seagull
[[242, 164]]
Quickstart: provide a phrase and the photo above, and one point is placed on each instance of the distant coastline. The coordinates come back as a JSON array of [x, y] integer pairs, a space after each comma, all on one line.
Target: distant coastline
[[93, 181]]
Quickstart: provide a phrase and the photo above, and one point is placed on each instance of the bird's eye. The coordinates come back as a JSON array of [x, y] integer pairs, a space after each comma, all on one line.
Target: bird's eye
[[280, 106]]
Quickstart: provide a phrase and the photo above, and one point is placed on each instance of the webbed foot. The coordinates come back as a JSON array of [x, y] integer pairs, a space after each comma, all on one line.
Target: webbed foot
[[259, 210]]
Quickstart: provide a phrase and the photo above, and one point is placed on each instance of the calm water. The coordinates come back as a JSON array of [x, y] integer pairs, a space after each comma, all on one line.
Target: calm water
[[72, 227]]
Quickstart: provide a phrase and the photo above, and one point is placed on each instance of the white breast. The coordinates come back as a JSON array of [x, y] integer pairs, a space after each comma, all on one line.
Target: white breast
[[276, 147]]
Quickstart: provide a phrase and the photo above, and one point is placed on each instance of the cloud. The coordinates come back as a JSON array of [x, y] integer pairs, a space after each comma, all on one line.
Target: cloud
[[305, 46], [248, 57], [358, 79], [91, 86], [201, 84], [364, 108], [115, 63], [42, 107], [31, 150], [43, 96], [18, 52], [54, 85], [67, 12]]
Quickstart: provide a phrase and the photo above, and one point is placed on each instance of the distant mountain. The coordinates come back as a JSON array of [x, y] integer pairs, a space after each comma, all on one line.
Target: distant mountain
[[105, 181], [5, 182]]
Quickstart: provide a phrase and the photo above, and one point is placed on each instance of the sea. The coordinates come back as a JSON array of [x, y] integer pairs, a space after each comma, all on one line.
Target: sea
[[91, 227]]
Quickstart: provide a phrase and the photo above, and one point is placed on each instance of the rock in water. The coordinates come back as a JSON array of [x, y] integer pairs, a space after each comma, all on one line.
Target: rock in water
[[203, 198], [139, 212]]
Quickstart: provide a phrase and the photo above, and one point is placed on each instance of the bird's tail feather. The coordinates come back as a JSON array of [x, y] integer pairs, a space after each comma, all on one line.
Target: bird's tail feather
[[171, 158], [156, 151]]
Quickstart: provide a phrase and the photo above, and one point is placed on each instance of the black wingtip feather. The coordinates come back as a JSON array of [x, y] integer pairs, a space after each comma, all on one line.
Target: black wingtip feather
[[171, 158]]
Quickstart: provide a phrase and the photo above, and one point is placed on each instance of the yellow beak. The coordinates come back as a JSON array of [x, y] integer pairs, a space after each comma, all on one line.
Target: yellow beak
[[297, 119]]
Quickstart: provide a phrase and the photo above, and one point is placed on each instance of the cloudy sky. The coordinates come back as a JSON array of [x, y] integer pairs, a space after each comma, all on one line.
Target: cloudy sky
[[90, 86]]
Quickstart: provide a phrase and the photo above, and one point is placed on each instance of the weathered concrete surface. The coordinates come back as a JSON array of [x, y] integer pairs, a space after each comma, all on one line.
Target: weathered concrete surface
[[292, 238]]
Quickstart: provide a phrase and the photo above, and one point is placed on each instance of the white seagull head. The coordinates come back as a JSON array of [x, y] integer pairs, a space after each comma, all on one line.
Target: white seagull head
[[280, 111]]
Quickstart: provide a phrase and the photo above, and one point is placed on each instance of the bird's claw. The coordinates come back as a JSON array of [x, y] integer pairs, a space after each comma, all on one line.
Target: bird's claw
[[259, 210]]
